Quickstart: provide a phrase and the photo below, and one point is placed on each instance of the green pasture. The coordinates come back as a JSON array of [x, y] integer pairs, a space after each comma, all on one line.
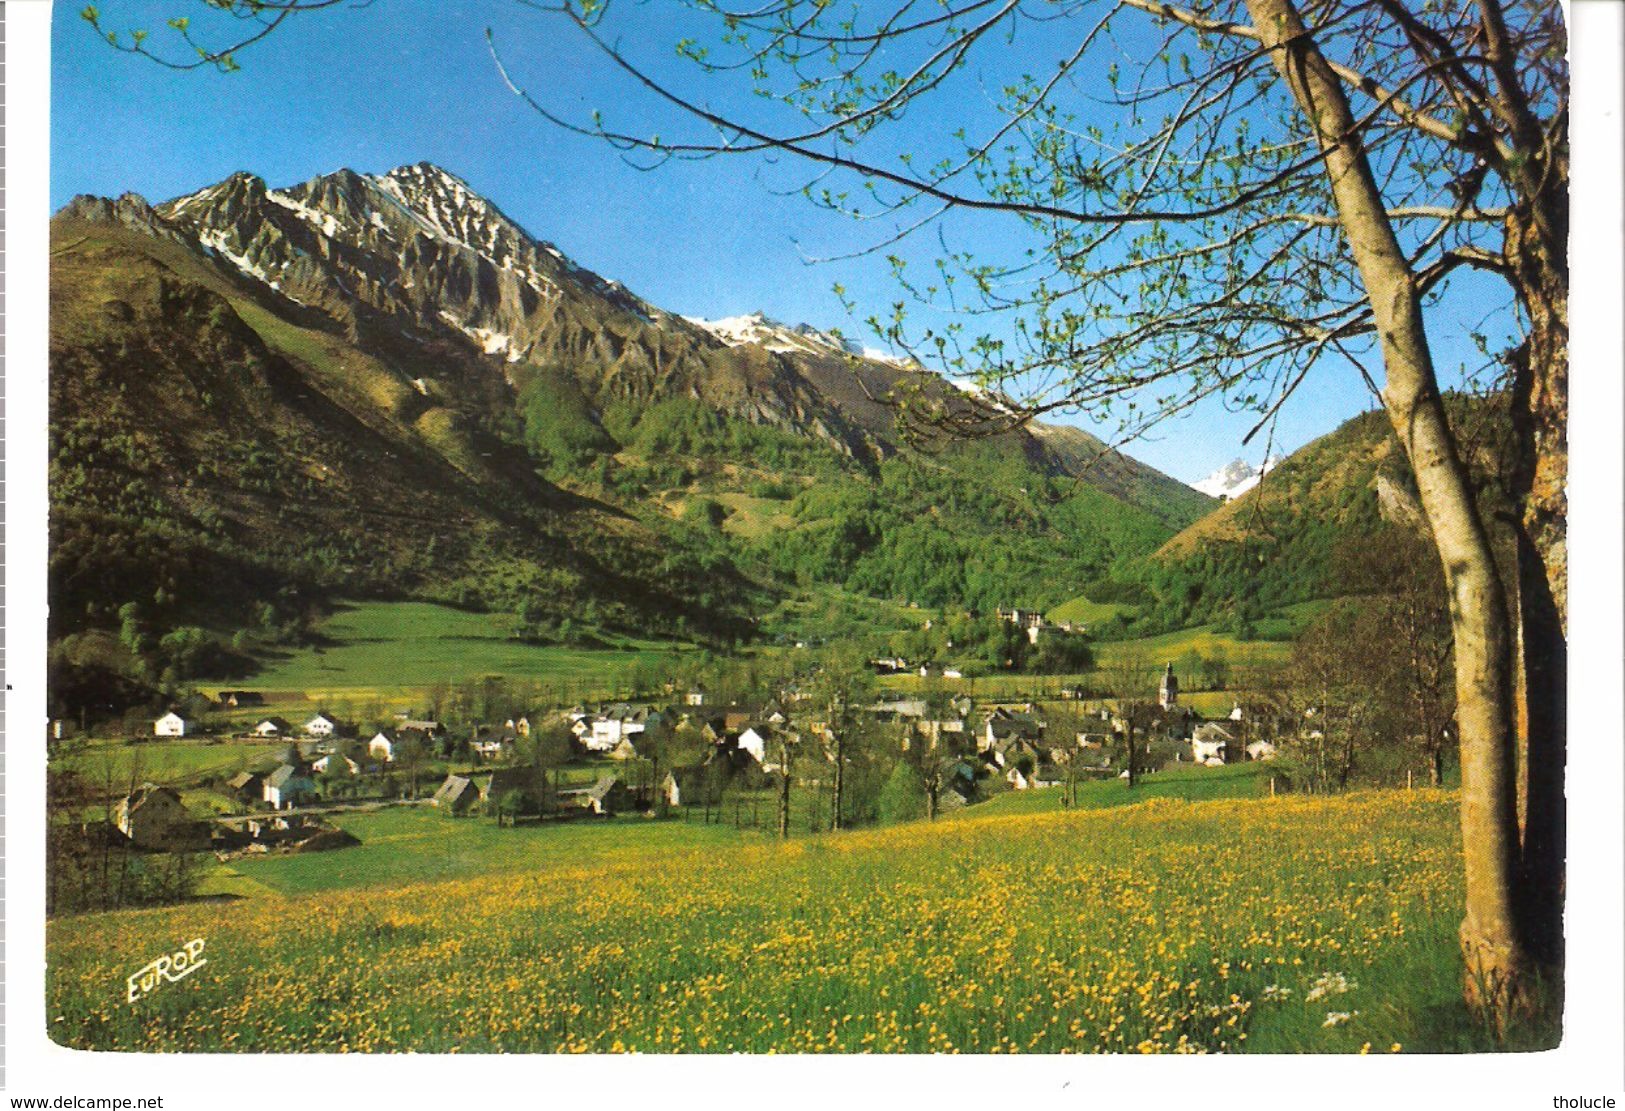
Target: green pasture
[[1081, 610], [1233, 781], [384, 648], [418, 844]]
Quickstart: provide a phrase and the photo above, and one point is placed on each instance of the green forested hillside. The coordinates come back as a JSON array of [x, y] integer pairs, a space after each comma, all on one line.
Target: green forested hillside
[[1279, 543], [217, 473]]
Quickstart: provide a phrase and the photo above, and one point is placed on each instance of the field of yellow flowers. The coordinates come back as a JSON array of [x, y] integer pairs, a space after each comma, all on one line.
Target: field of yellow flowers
[[1290, 924]]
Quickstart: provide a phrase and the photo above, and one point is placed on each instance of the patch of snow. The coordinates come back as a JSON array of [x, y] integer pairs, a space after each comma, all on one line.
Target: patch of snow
[[325, 222], [215, 240], [982, 394], [876, 355], [491, 342]]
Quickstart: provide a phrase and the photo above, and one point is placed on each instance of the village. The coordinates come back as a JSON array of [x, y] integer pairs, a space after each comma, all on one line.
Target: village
[[680, 757]]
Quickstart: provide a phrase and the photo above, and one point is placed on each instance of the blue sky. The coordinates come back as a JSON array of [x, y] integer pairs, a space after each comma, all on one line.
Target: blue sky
[[401, 81]]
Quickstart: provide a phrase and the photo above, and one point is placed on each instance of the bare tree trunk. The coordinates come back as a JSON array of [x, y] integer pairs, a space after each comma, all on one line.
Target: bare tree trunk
[[784, 790], [835, 821], [1535, 244], [1495, 956]]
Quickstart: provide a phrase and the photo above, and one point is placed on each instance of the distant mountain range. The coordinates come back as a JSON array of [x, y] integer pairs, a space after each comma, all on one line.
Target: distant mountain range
[[413, 260], [265, 395]]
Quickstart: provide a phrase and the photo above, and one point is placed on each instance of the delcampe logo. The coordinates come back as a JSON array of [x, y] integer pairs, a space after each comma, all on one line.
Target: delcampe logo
[[166, 969]]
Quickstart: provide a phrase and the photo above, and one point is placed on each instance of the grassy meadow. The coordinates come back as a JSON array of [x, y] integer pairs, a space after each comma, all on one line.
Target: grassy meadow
[[1194, 784], [385, 650], [380, 648], [415, 845], [1203, 639], [1320, 924], [178, 763], [1082, 611]]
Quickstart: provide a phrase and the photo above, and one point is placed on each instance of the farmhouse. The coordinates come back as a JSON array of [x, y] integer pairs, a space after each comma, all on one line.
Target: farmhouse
[[321, 726], [170, 725], [958, 779], [154, 817], [754, 741], [899, 709], [1025, 777], [604, 797], [456, 795], [272, 727], [289, 786], [382, 746], [1003, 725], [246, 786], [935, 729], [1013, 751], [1211, 744], [326, 762], [493, 743], [1260, 750], [408, 723], [613, 726]]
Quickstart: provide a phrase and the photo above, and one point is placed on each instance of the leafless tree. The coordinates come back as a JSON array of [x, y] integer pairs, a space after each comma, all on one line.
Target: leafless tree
[[1130, 678]]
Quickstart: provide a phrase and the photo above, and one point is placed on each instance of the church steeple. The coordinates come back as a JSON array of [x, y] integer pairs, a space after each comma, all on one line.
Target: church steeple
[[1168, 690]]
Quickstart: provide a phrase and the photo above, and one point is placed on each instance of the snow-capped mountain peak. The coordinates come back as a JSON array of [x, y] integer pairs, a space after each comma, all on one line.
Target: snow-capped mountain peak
[[764, 331], [1235, 478]]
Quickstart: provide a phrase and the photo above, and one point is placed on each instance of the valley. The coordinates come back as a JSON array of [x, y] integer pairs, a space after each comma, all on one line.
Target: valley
[[426, 607]]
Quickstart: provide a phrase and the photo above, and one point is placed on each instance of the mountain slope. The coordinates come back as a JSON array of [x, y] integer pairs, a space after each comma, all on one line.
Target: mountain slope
[[413, 258], [380, 384], [209, 455], [1275, 544]]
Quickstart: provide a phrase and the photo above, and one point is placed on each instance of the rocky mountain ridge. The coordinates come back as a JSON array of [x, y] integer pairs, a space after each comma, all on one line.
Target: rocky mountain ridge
[[418, 268]]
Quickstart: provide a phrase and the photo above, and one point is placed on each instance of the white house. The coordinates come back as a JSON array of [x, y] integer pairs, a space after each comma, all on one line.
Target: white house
[[323, 764], [1210, 744], [755, 743], [487, 748], [170, 725], [321, 726], [1038, 776], [271, 727], [287, 787], [607, 732], [382, 745]]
